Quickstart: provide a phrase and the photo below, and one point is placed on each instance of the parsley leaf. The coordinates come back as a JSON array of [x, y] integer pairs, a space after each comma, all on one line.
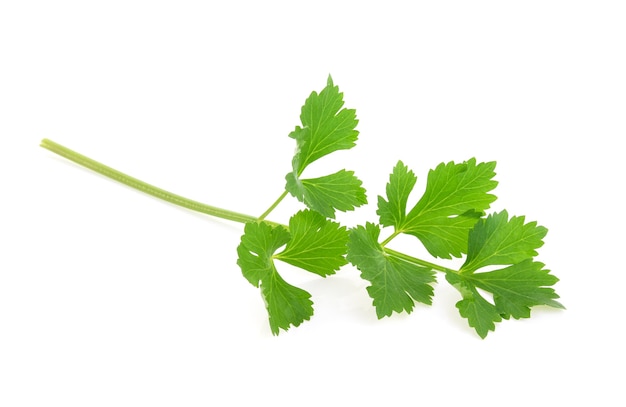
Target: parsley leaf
[[497, 240], [401, 183], [286, 305], [341, 191], [455, 197], [258, 244], [326, 128], [395, 283], [316, 245], [312, 243]]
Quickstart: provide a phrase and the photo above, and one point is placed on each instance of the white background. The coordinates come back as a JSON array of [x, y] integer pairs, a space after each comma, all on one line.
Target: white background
[[112, 298]]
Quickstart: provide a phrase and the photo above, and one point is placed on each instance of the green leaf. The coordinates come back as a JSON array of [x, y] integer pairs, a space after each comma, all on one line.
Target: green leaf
[[258, 244], [395, 283], [401, 183], [312, 243], [524, 283], [317, 244], [480, 314], [339, 191], [498, 240], [456, 195], [326, 127], [515, 290], [286, 305], [518, 287]]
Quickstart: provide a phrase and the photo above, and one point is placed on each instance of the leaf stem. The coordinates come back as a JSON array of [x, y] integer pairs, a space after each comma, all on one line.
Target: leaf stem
[[145, 187], [198, 206], [273, 206], [390, 238], [420, 262]]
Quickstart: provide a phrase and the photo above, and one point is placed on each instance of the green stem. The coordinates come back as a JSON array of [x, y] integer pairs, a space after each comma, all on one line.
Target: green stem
[[420, 262], [198, 206], [412, 259], [145, 187], [273, 206], [390, 238]]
